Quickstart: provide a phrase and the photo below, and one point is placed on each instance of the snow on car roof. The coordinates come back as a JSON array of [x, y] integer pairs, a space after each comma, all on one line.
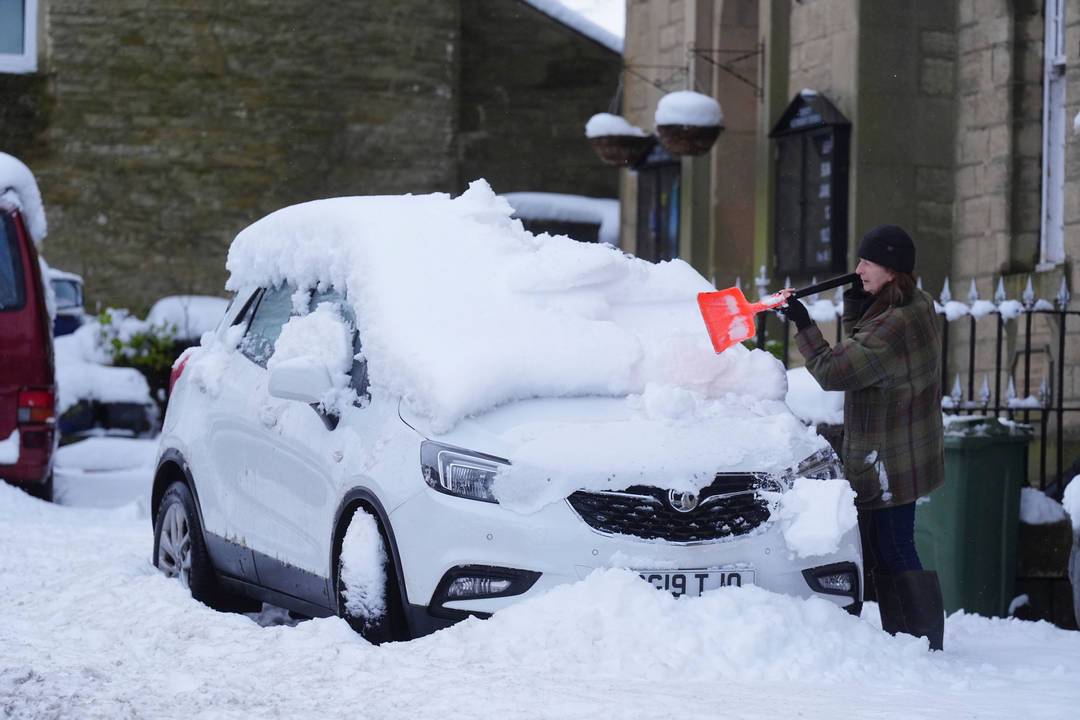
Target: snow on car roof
[[461, 310], [192, 315], [18, 187], [569, 208]]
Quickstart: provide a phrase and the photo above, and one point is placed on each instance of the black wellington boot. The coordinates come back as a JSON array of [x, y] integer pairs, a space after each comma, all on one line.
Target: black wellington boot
[[918, 599], [892, 614]]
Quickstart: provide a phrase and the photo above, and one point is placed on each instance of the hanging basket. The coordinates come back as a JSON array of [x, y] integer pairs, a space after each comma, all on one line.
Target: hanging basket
[[622, 150], [688, 139]]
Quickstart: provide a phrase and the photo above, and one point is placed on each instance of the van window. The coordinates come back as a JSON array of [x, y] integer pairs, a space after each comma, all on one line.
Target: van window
[[12, 290]]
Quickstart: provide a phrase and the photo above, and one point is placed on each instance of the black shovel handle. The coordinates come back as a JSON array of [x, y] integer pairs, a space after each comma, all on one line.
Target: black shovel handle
[[826, 285]]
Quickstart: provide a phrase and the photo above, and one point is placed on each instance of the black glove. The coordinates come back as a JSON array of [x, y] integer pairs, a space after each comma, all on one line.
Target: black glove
[[796, 312]]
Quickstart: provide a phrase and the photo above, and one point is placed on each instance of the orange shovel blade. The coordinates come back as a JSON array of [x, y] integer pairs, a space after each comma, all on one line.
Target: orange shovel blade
[[729, 317]]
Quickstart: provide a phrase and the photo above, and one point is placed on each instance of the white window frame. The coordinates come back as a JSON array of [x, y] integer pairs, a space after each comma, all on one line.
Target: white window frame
[[26, 62], [1052, 230]]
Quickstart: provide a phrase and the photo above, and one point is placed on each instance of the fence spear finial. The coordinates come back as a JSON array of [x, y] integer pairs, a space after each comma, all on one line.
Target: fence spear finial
[[1028, 297], [1044, 393], [957, 393], [1063, 295], [999, 294], [1010, 392], [762, 283], [973, 293], [984, 394], [946, 295]]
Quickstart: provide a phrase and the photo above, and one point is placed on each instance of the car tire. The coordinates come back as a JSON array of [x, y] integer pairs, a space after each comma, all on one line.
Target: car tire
[[179, 548], [375, 628]]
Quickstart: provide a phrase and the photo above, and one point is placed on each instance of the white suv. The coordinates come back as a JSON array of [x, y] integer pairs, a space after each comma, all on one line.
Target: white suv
[[414, 410]]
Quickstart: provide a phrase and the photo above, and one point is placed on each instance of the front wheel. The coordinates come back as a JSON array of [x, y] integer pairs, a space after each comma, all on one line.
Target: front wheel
[[179, 549], [364, 580]]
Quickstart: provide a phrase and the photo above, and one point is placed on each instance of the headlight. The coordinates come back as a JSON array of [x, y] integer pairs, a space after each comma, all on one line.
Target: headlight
[[459, 472], [823, 465]]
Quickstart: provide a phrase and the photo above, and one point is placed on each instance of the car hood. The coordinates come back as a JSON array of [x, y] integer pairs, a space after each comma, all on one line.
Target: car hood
[[665, 437]]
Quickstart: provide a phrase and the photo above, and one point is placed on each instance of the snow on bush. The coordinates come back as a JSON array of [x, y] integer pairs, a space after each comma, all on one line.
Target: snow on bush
[[363, 568], [609, 124], [1071, 503], [686, 107]]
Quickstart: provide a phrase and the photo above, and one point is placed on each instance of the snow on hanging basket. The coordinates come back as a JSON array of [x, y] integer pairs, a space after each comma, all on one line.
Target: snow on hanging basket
[[688, 123], [616, 142]]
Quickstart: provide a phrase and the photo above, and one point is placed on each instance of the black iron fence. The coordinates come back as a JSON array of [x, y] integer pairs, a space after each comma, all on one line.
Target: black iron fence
[[1018, 345]]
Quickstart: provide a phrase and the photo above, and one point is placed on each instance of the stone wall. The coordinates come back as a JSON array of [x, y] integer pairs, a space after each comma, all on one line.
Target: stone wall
[[159, 130], [528, 86]]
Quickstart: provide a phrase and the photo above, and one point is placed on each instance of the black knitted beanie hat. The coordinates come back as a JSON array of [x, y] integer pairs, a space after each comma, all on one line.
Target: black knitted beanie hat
[[889, 246]]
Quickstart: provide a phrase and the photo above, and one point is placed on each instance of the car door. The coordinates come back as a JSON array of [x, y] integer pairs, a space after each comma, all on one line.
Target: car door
[[236, 503]]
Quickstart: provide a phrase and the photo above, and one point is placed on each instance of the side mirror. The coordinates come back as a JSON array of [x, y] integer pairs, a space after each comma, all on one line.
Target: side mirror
[[306, 379]]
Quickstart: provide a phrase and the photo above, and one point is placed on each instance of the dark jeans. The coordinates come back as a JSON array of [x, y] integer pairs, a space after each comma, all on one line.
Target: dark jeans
[[891, 536]]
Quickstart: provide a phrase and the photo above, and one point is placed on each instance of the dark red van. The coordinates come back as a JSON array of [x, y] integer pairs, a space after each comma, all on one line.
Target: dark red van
[[27, 371]]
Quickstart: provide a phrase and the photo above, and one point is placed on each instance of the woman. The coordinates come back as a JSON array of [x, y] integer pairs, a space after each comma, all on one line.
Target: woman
[[888, 366]]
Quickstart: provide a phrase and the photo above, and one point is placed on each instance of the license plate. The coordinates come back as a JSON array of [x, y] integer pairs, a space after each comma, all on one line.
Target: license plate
[[695, 582]]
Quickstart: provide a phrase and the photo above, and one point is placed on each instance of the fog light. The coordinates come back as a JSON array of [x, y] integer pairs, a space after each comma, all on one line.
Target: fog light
[[837, 582], [478, 582], [836, 579], [476, 587]]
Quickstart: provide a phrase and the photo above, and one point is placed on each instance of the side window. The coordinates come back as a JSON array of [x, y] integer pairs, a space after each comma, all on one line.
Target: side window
[[12, 292], [271, 312], [358, 379]]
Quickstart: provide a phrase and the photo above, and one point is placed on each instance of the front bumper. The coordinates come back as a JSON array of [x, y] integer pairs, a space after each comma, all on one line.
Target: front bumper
[[561, 548]]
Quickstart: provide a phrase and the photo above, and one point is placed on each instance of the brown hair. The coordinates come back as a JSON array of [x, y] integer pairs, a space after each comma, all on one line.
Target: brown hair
[[897, 291]]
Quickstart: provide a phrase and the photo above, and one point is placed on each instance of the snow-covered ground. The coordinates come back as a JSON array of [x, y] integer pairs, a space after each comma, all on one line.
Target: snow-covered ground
[[90, 629]]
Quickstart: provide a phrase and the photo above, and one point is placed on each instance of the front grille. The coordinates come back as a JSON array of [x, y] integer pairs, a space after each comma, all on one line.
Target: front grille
[[728, 507]]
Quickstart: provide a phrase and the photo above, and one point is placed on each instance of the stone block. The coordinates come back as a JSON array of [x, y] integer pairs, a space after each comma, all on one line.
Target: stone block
[[938, 43], [936, 77], [974, 216], [1001, 143], [974, 145], [934, 183]]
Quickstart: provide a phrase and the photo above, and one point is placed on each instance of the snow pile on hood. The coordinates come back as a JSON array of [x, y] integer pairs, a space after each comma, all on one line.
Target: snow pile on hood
[[461, 310], [18, 188], [686, 107], [809, 402], [815, 514]]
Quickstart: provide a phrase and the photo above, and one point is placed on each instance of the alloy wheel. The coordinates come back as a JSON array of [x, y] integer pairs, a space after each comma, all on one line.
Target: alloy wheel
[[174, 547]]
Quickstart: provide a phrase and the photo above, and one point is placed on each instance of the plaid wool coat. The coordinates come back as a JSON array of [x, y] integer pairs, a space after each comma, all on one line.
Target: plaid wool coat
[[888, 366]]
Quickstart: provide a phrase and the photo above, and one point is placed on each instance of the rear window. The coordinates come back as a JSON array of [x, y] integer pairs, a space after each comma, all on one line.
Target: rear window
[[12, 289]]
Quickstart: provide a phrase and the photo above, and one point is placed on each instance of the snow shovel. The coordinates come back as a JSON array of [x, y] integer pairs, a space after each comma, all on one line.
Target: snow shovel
[[729, 317]]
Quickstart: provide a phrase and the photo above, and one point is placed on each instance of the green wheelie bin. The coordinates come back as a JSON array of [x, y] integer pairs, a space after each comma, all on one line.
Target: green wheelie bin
[[966, 530]]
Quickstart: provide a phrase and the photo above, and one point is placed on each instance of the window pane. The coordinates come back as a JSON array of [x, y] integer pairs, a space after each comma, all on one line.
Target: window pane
[[12, 293], [11, 27], [273, 311]]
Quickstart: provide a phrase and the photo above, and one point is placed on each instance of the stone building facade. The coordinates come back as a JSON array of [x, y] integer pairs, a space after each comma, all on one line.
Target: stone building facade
[[159, 130], [962, 129]]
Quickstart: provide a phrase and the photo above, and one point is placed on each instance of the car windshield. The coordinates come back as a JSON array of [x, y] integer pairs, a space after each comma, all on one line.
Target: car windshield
[[12, 291], [68, 294]]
